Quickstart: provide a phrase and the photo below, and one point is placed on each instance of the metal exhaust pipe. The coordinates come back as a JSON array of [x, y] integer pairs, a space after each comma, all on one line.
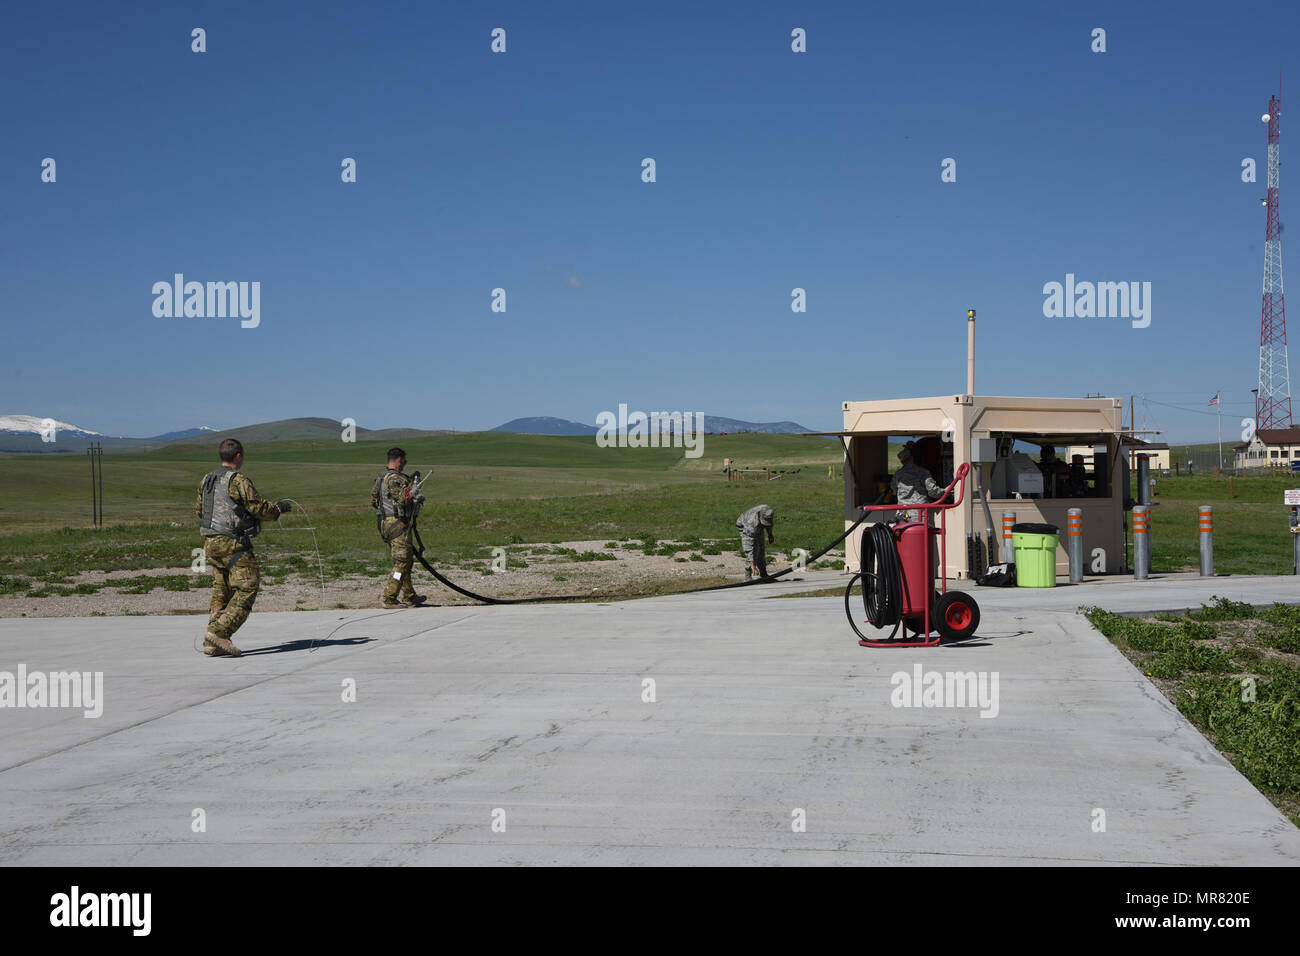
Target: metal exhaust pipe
[[970, 351]]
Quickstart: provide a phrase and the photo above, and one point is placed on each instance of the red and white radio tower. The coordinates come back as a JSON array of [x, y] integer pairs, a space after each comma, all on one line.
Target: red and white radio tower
[[1273, 404]]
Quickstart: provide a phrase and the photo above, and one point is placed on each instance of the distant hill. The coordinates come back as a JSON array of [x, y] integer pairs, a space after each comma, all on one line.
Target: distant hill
[[187, 433], [21, 433], [545, 425], [306, 429], [713, 425], [33, 425]]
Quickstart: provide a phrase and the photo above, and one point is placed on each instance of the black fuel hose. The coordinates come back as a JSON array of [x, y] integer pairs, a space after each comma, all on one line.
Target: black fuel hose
[[881, 573], [419, 555]]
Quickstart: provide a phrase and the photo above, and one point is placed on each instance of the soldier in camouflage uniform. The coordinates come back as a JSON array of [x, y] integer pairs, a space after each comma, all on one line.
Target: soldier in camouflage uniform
[[752, 524], [914, 485], [230, 513], [391, 498]]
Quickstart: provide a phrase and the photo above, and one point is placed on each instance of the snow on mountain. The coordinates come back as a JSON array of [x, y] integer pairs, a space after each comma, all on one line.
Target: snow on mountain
[[31, 425]]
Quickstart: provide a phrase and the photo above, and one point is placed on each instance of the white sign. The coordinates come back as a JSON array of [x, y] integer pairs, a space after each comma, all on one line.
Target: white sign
[[1291, 496]]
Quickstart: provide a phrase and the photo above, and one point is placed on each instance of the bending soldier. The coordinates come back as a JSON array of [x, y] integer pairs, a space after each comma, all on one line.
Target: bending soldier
[[752, 524], [394, 508], [230, 515]]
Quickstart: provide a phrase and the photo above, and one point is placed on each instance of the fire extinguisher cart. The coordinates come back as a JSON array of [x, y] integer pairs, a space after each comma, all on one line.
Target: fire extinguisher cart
[[897, 575]]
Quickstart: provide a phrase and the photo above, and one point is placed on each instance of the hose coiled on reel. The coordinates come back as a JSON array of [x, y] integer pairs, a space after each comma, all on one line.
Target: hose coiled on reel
[[881, 573]]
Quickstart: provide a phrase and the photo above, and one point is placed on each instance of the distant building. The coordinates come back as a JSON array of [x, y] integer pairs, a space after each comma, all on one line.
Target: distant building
[[1270, 446], [1157, 453]]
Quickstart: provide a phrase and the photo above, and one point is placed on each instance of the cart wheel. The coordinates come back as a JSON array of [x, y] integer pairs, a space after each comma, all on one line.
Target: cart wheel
[[958, 615]]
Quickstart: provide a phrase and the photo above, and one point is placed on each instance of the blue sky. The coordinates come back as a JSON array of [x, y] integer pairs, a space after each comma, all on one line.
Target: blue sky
[[522, 171]]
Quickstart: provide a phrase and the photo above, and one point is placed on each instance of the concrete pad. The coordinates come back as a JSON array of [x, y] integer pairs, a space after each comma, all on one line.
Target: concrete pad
[[762, 708]]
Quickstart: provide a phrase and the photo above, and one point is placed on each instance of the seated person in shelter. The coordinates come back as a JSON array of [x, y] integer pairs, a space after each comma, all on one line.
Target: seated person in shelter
[[1078, 478], [1056, 474]]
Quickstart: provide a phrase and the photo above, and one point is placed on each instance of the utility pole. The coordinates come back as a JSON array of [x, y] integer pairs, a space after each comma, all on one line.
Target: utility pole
[[1132, 428], [96, 453]]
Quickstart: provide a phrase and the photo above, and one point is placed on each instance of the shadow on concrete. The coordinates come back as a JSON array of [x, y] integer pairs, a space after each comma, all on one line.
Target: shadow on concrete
[[983, 640], [307, 645]]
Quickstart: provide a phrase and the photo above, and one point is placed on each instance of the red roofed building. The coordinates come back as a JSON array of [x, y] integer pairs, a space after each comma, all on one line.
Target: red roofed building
[[1269, 446]]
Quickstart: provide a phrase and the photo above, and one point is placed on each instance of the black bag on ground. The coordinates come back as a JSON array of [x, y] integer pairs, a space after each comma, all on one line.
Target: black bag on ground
[[999, 576]]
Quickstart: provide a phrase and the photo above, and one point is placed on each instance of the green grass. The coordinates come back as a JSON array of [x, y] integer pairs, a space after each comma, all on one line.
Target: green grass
[[1245, 701], [137, 584], [1250, 530], [13, 585], [496, 490], [487, 490]]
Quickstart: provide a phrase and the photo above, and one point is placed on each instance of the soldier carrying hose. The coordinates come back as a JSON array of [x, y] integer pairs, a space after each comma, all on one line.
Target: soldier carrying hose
[[394, 510]]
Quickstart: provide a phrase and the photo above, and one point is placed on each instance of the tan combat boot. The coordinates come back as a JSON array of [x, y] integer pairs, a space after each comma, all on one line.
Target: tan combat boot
[[214, 646]]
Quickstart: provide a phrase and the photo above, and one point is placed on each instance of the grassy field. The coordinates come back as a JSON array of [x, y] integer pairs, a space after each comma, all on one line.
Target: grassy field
[[1250, 530], [488, 490], [495, 489]]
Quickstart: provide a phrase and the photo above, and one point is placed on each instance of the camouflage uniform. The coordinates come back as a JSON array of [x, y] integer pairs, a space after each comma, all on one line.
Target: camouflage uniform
[[751, 524], [397, 532], [234, 588], [913, 485]]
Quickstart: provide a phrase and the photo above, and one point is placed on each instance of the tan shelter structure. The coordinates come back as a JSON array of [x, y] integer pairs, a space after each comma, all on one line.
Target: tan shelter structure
[[994, 434]]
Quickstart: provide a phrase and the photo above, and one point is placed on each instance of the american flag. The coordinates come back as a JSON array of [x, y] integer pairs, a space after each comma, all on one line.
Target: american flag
[[1214, 400]]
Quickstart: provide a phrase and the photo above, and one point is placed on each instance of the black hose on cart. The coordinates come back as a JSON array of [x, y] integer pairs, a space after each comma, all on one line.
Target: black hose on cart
[[881, 573]]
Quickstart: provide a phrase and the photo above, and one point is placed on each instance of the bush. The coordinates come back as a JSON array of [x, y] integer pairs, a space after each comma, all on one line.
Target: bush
[[13, 585], [1197, 630], [1223, 610], [1283, 615], [1246, 655], [1165, 666], [1284, 639], [1206, 659]]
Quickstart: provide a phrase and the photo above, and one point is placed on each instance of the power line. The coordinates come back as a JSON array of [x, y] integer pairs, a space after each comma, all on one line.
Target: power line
[[1200, 411]]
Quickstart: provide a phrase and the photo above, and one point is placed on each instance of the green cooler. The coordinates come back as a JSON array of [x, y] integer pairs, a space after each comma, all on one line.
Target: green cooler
[[1035, 546]]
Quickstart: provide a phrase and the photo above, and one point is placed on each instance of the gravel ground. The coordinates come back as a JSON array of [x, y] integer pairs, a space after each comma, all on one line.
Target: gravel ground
[[631, 572]]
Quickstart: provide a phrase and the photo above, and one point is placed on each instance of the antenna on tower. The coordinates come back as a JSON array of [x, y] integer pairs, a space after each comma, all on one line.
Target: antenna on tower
[[1273, 401]]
